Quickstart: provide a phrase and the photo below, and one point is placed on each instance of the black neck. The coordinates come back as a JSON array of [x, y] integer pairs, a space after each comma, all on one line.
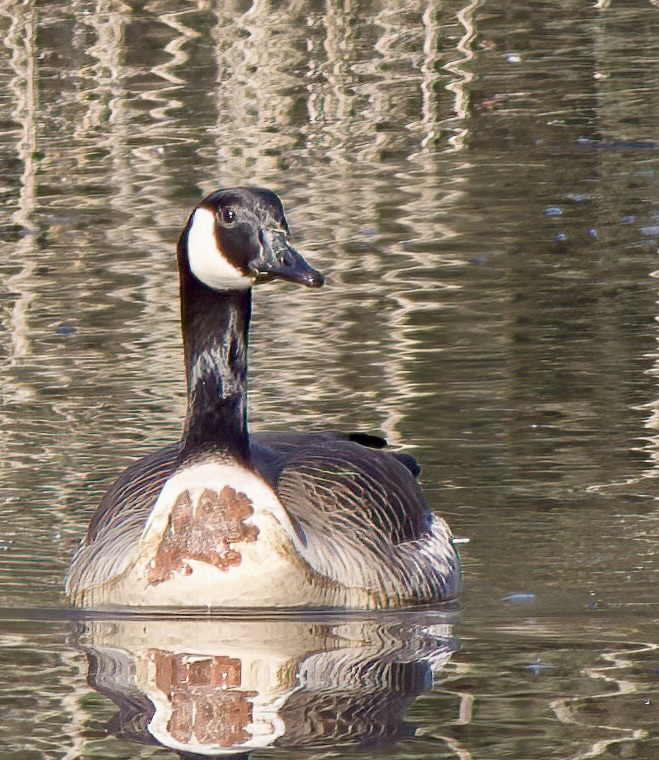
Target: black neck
[[215, 332]]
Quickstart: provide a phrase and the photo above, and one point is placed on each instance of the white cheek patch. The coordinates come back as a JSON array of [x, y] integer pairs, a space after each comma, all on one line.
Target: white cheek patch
[[207, 262]]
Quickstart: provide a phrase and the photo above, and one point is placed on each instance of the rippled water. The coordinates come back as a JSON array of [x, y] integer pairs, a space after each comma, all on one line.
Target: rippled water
[[480, 182]]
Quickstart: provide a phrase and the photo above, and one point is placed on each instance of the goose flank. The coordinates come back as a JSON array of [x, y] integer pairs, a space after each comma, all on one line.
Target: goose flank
[[223, 518]]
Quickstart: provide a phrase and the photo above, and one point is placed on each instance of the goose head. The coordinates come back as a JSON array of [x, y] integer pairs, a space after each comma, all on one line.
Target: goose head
[[238, 237]]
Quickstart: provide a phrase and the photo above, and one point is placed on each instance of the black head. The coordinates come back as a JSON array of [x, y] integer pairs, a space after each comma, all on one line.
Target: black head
[[238, 237]]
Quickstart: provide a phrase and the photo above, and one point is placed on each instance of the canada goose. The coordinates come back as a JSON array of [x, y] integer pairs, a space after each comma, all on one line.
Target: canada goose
[[222, 519]]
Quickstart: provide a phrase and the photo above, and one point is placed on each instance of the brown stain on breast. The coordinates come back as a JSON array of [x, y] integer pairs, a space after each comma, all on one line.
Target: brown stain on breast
[[204, 532], [206, 702]]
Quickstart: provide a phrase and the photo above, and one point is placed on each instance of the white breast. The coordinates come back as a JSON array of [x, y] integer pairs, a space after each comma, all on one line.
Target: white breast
[[218, 537]]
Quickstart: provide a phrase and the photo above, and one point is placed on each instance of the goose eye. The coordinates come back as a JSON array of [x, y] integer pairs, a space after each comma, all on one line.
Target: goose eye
[[228, 215]]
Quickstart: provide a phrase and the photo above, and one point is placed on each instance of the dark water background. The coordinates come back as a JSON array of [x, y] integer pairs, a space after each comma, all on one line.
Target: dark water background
[[480, 183]]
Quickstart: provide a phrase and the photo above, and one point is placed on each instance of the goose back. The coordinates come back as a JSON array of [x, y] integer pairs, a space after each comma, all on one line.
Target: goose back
[[358, 510]]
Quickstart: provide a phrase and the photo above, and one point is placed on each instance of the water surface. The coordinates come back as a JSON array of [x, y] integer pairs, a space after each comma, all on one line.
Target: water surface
[[480, 183]]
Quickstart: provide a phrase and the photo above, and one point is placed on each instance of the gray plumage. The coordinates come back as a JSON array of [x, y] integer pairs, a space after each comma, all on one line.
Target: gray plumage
[[358, 510]]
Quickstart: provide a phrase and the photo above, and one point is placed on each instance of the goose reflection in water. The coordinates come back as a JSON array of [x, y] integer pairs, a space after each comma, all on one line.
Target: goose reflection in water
[[219, 688]]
